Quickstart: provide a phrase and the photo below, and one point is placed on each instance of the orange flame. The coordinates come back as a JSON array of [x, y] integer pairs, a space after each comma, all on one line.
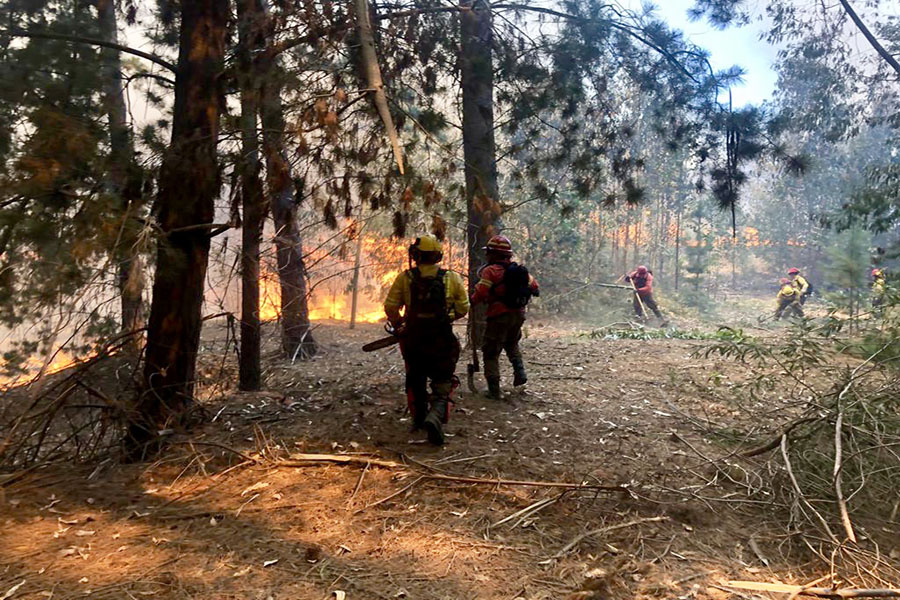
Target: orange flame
[[322, 303], [31, 369]]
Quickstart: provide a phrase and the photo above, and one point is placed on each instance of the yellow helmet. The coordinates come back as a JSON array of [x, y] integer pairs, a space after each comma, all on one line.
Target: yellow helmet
[[427, 243], [427, 250]]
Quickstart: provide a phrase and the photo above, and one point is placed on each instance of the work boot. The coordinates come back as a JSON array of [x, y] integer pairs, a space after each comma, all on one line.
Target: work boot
[[433, 422], [519, 376], [493, 389]]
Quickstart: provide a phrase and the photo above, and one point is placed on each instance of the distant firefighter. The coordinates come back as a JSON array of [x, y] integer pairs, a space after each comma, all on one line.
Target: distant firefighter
[[641, 280], [506, 287], [800, 283], [432, 298], [788, 299]]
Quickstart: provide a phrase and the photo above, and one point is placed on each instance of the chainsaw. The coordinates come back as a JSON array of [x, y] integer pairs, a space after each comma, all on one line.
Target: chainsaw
[[385, 342]]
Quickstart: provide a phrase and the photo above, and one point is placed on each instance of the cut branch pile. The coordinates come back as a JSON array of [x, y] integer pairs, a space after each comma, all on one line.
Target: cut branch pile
[[835, 466]]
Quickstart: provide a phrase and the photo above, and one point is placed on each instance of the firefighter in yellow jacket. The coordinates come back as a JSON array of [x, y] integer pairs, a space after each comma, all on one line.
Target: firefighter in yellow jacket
[[431, 298], [801, 284], [788, 298]]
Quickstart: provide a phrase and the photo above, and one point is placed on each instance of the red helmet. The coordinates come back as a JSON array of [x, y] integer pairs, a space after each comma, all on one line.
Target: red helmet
[[877, 273], [641, 270], [793, 271], [784, 281], [499, 245]]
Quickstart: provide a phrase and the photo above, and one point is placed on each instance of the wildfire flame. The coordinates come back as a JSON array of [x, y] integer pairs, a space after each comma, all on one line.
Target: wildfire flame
[[323, 304], [31, 369]]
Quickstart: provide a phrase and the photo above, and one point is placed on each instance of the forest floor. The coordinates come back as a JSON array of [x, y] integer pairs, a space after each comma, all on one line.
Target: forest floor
[[401, 520]]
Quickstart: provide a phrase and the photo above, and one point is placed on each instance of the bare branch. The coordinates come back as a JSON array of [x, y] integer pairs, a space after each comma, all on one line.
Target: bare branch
[[77, 39]]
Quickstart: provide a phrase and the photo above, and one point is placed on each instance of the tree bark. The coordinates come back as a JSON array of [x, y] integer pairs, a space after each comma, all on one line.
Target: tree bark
[[188, 185], [296, 337], [482, 194], [124, 178], [250, 41]]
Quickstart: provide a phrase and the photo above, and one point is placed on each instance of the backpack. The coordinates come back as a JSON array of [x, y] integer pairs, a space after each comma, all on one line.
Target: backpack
[[428, 301], [516, 287]]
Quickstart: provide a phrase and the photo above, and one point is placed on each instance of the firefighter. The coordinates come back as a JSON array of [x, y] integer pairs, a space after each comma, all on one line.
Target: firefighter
[[879, 291], [800, 283], [431, 298], [788, 298], [506, 287], [642, 279]]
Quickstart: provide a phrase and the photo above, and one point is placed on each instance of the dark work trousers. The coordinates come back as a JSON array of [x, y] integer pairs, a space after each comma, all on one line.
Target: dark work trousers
[[791, 306], [429, 355], [502, 333], [649, 302]]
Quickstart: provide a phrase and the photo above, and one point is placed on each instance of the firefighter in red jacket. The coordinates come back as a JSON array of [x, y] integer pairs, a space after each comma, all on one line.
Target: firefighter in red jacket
[[506, 288], [642, 279]]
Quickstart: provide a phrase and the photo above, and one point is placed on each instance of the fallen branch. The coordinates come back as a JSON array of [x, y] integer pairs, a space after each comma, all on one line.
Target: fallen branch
[[759, 586], [517, 482], [838, 489], [305, 460], [776, 441], [571, 545]]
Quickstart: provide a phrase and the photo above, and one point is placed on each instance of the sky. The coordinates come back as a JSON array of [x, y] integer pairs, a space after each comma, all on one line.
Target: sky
[[733, 46]]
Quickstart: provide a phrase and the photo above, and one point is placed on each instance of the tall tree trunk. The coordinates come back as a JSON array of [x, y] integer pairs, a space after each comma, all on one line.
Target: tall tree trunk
[[482, 202], [188, 185], [356, 262], [251, 41], [296, 337], [124, 179]]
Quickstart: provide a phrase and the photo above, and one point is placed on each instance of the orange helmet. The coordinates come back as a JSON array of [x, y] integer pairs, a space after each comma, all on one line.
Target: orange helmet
[[500, 245], [784, 281], [793, 271]]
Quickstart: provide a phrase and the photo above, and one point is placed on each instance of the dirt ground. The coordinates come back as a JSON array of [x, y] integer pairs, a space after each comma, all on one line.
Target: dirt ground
[[204, 522]]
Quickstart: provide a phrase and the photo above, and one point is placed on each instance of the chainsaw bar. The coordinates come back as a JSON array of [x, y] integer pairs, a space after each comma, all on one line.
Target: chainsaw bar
[[382, 343]]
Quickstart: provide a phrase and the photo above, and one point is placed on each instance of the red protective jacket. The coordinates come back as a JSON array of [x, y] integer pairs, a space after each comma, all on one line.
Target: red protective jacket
[[643, 283], [489, 288]]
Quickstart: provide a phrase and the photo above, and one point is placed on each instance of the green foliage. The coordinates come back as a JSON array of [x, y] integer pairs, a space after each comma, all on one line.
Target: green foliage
[[847, 274]]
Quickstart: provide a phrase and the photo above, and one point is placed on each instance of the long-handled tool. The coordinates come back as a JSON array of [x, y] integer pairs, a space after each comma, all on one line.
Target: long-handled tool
[[473, 367], [638, 296]]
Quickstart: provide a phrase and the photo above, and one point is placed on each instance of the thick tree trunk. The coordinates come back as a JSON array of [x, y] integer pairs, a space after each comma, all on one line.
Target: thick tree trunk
[[188, 185], [250, 41], [482, 193], [124, 178], [296, 338]]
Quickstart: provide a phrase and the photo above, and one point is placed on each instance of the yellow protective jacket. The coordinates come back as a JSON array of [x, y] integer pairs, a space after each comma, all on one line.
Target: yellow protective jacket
[[788, 293], [400, 295], [800, 284]]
